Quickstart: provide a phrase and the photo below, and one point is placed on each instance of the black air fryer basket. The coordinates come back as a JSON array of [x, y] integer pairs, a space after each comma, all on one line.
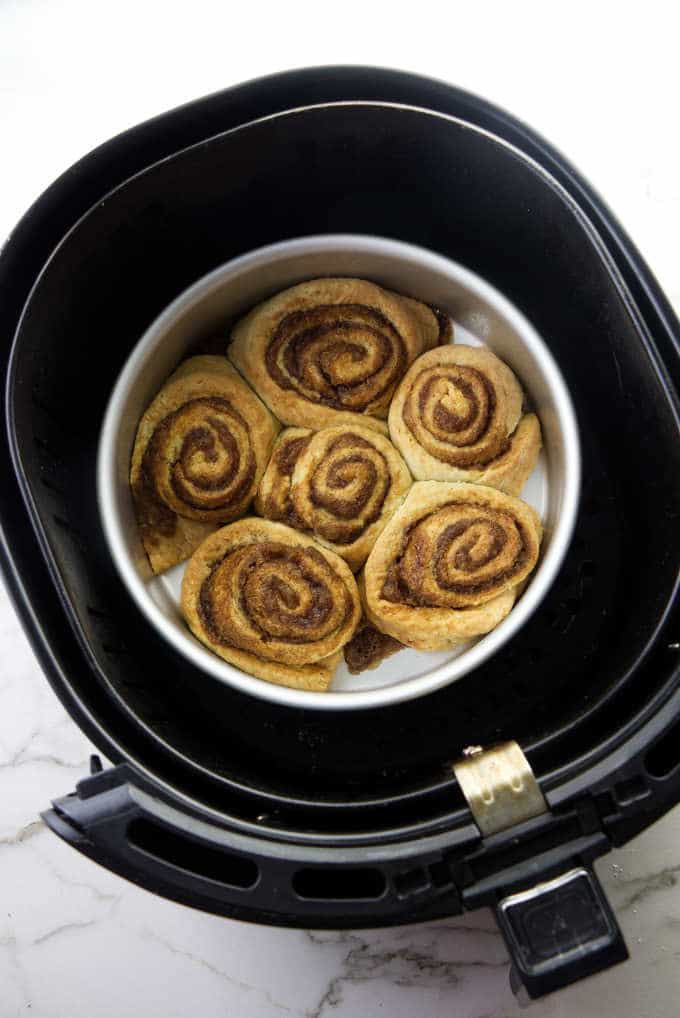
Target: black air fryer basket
[[332, 819]]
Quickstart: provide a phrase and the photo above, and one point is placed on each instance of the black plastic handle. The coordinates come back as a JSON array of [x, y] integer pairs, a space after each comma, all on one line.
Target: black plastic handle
[[113, 819], [559, 932]]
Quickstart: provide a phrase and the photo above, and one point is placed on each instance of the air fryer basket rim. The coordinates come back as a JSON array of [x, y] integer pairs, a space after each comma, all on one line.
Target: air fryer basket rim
[[25, 598], [143, 171]]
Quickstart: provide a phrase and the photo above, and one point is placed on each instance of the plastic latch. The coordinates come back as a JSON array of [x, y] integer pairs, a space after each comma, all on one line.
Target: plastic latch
[[558, 932]]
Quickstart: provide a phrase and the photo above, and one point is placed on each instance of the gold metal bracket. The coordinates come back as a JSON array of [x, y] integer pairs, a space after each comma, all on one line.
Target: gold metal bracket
[[499, 786]]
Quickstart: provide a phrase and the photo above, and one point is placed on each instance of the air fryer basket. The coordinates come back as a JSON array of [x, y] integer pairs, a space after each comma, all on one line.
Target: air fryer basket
[[297, 818]]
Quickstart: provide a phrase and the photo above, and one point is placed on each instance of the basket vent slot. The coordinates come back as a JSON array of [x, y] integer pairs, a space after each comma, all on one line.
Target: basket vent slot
[[193, 856], [339, 885]]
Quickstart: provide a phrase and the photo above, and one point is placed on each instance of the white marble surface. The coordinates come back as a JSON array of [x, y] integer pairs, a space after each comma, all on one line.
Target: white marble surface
[[602, 83]]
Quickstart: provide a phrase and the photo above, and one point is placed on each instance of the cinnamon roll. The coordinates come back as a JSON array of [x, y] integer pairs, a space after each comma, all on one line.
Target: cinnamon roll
[[331, 345], [273, 495], [457, 416], [200, 451], [272, 602], [345, 485], [448, 565]]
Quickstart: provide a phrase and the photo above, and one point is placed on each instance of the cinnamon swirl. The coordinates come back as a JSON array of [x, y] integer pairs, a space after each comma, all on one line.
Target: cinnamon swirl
[[273, 499], [200, 451], [345, 484], [448, 565], [331, 345], [272, 602], [457, 416]]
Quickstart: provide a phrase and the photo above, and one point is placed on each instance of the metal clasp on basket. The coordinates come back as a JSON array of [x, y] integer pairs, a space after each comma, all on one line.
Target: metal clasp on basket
[[499, 786]]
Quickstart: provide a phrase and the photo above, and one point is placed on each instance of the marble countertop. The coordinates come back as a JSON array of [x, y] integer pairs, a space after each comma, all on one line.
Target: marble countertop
[[76, 940]]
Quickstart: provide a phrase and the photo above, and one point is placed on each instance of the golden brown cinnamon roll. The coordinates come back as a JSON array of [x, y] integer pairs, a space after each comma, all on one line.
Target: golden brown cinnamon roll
[[200, 451], [273, 495], [272, 602], [447, 566], [457, 416], [345, 484], [331, 345]]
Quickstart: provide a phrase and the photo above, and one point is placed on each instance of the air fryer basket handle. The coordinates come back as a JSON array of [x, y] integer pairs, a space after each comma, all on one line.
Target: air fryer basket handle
[[118, 820], [558, 932], [556, 921]]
